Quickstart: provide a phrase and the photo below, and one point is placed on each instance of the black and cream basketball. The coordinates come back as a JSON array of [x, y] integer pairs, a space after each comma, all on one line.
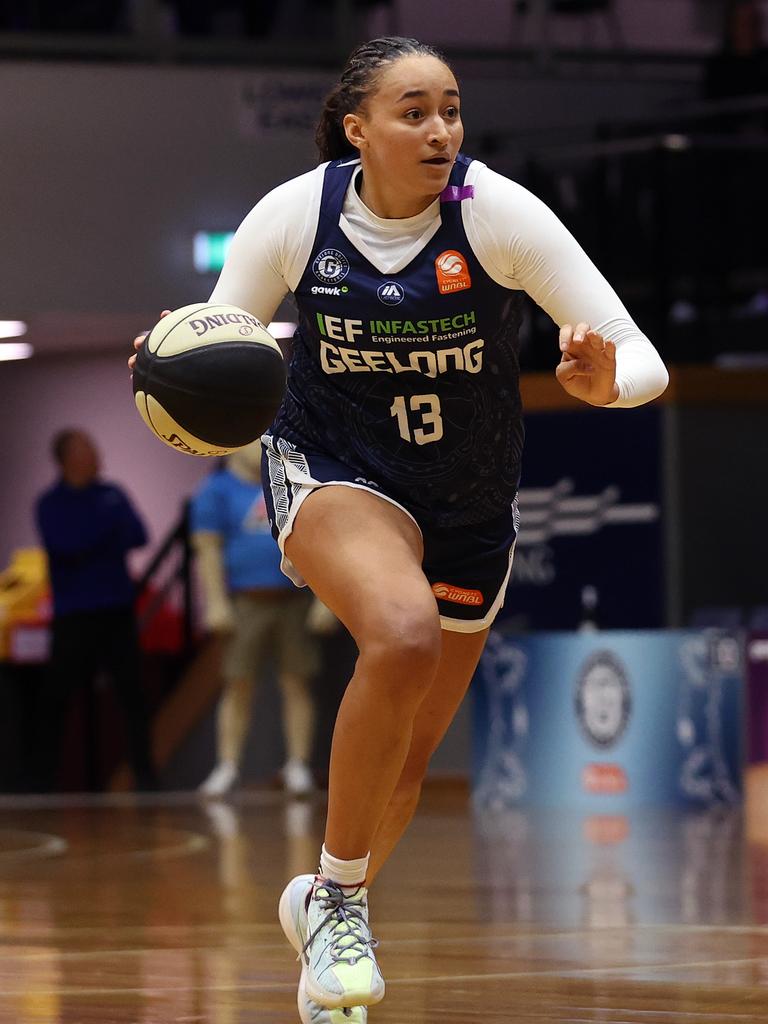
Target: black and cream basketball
[[208, 379]]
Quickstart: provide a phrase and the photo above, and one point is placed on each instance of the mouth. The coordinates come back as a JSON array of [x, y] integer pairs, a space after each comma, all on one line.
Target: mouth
[[437, 161]]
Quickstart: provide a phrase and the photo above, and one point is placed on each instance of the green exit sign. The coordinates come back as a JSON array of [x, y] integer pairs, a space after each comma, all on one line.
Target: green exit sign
[[210, 250]]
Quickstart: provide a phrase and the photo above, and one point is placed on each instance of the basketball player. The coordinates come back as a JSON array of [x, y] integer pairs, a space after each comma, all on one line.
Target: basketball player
[[392, 466]]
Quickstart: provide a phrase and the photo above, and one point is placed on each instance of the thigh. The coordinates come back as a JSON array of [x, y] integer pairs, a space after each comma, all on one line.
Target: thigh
[[358, 549], [74, 655], [362, 556], [247, 646], [116, 642], [297, 648]]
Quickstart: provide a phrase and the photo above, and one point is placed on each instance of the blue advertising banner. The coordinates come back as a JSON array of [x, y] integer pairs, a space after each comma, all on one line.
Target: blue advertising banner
[[591, 517], [605, 721]]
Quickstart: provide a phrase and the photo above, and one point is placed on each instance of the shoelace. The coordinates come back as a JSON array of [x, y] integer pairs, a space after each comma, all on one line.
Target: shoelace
[[351, 944]]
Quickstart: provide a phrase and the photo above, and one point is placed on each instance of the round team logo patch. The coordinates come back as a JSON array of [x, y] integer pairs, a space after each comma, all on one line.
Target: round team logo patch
[[390, 293], [330, 266], [603, 699]]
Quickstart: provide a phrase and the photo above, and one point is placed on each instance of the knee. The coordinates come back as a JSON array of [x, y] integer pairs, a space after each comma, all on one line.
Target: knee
[[237, 691], [404, 647]]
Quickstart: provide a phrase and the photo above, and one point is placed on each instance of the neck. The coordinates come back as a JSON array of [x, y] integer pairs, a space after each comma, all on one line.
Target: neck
[[390, 204]]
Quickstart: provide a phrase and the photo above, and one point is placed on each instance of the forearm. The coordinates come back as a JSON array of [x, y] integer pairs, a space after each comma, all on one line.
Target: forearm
[[641, 374]]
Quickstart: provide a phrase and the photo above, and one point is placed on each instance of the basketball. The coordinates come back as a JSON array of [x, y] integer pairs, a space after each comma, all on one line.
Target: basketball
[[208, 379]]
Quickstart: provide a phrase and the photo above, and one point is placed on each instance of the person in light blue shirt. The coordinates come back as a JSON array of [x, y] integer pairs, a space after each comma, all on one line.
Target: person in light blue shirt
[[257, 609]]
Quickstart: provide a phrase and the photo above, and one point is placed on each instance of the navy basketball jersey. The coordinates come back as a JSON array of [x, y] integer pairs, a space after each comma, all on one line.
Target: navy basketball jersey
[[410, 379]]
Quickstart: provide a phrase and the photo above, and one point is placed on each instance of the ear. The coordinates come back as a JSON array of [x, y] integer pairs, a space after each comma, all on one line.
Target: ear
[[354, 129]]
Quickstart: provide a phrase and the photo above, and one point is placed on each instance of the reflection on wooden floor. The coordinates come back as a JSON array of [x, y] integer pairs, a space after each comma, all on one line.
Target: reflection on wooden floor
[[164, 910]]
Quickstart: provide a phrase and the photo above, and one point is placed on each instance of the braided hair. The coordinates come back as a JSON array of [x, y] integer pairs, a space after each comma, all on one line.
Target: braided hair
[[358, 81]]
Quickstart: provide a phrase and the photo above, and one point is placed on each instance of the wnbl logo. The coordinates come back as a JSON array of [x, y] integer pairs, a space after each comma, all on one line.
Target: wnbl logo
[[390, 293]]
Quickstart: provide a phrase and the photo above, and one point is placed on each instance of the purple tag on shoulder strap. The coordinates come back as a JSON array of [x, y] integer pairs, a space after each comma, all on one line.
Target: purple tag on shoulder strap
[[455, 193]]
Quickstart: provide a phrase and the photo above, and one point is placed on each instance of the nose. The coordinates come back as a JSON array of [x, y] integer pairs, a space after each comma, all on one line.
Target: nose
[[438, 132]]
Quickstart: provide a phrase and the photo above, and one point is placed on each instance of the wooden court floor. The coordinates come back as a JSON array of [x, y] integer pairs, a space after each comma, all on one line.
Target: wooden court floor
[[155, 910]]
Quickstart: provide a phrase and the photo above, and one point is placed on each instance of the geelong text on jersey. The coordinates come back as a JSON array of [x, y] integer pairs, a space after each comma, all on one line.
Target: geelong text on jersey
[[335, 359]]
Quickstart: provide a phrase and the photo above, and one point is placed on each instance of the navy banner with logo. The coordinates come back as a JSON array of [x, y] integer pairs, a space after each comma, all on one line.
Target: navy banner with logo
[[590, 542], [606, 721]]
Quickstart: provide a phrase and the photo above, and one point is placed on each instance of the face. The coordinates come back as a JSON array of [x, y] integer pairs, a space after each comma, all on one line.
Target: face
[[409, 130], [80, 461]]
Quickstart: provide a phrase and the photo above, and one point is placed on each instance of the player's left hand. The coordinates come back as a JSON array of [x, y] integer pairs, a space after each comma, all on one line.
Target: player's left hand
[[587, 367]]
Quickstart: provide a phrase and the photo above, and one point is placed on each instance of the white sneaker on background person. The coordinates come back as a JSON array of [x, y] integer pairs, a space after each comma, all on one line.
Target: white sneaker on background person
[[297, 778], [221, 780]]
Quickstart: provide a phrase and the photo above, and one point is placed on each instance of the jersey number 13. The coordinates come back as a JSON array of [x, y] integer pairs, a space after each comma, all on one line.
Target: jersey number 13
[[426, 413]]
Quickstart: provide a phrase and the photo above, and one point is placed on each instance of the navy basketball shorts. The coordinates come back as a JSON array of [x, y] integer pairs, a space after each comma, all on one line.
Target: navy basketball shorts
[[467, 567]]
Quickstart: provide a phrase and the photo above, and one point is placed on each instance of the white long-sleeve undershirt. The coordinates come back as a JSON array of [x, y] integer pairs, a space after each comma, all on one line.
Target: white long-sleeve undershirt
[[517, 239]]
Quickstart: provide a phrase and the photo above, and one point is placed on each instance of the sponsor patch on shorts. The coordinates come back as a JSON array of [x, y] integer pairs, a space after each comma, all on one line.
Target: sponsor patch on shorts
[[458, 595]]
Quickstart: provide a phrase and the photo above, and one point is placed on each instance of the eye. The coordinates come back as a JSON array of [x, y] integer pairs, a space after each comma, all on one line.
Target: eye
[[413, 115], [452, 113]]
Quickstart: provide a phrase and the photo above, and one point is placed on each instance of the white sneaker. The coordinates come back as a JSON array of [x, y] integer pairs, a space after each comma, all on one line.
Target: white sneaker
[[339, 968], [221, 780], [297, 778], [311, 1012]]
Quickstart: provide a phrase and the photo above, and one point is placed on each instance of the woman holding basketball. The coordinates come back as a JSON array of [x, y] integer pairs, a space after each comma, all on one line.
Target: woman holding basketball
[[393, 464]]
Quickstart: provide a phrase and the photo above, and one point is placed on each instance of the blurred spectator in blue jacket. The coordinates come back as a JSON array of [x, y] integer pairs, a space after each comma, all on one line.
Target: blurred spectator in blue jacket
[[87, 527]]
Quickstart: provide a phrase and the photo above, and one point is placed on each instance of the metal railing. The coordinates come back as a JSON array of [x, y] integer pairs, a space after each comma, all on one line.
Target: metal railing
[[169, 571]]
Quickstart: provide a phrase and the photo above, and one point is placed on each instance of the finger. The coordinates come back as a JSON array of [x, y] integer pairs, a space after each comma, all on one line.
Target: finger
[[566, 335], [569, 369], [604, 358], [581, 331], [595, 340], [164, 313], [132, 363]]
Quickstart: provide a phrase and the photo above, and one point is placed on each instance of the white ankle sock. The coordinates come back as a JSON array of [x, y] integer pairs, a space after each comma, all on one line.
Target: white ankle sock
[[348, 874]]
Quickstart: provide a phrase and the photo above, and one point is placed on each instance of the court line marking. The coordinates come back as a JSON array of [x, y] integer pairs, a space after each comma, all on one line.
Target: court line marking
[[50, 845], [192, 842]]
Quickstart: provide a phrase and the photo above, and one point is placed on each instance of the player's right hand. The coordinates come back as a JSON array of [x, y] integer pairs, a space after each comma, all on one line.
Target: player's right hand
[[138, 341]]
